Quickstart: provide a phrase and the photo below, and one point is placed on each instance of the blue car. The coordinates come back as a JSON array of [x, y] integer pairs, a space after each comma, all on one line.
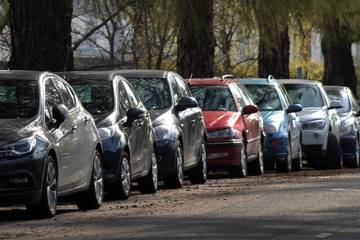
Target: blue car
[[282, 127]]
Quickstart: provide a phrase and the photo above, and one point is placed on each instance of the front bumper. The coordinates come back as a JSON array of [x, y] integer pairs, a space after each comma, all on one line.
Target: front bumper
[[166, 156], [348, 146], [224, 154], [21, 180], [275, 149]]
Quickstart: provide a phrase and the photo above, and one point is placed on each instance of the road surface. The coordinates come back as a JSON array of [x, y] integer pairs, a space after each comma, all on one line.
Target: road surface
[[307, 205]]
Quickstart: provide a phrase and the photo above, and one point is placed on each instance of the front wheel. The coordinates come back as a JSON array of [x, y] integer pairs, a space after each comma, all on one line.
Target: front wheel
[[176, 179], [199, 174], [285, 166], [241, 170], [121, 189], [355, 162], [257, 167], [297, 162], [93, 197], [149, 183], [47, 207], [334, 158]]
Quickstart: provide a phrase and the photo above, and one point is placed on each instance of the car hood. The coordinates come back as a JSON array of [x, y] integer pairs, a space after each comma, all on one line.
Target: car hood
[[272, 116], [219, 120], [161, 117], [308, 114], [12, 130]]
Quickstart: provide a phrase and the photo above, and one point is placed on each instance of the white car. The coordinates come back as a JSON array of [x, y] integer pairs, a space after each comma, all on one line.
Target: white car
[[320, 123]]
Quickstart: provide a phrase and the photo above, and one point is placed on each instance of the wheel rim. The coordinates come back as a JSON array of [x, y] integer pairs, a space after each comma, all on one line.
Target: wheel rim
[[98, 179], [243, 161], [300, 156], [154, 170], [357, 154], [289, 160], [125, 175], [261, 160], [179, 162], [51, 187], [203, 160]]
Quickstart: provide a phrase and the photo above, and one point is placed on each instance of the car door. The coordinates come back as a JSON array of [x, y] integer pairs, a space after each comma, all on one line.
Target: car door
[[141, 128], [196, 131], [186, 122], [64, 140], [83, 148]]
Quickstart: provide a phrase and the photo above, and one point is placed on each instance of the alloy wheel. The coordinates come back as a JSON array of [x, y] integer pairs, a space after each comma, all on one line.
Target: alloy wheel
[[179, 162], [154, 169], [51, 187], [98, 179], [243, 161], [203, 160], [125, 175]]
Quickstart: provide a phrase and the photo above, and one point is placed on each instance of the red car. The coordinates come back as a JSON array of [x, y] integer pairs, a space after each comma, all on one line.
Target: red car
[[234, 125]]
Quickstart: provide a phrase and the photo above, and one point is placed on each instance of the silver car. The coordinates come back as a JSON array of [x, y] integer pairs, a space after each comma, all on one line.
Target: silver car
[[319, 121]]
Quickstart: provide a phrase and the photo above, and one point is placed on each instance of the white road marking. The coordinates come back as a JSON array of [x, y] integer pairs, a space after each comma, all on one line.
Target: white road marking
[[323, 235]]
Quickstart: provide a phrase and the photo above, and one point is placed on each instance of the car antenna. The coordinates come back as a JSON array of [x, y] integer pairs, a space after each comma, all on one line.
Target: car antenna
[[269, 78]]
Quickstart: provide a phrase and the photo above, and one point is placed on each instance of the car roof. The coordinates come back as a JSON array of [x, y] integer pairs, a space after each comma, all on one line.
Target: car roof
[[209, 82], [98, 75], [145, 73], [330, 87], [255, 81], [20, 75], [297, 81]]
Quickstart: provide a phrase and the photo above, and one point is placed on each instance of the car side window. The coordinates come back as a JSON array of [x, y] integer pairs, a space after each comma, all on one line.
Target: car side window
[[134, 100], [52, 98], [65, 94], [184, 91], [176, 91], [124, 103]]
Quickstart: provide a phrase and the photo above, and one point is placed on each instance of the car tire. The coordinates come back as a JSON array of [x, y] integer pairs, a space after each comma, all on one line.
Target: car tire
[[149, 183], [297, 162], [257, 167], [121, 189], [334, 158], [47, 207], [355, 162], [176, 179], [241, 170], [286, 166], [93, 197], [199, 174]]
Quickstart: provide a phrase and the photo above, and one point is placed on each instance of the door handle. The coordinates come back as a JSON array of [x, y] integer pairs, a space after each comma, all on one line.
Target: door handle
[[193, 120], [140, 124], [86, 119], [73, 128]]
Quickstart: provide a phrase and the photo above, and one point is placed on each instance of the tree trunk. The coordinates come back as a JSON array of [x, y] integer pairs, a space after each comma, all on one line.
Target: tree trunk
[[41, 34], [196, 41], [336, 47], [274, 42]]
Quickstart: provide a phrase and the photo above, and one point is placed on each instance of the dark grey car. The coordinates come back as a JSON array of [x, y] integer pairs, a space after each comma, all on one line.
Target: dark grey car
[[49, 145], [178, 123]]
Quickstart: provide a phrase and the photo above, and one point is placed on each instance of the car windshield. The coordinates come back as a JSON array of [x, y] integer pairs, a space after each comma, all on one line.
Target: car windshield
[[214, 98], [95, 95], [18, 99], [265, 97], [153, 92], [305, 94], [339, 95]]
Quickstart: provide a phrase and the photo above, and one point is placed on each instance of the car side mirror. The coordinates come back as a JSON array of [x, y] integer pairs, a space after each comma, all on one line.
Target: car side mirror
[[60, 113], [185, 103], [135, 113], [357, 114], [249, 109], [293, 108], [335, 105]]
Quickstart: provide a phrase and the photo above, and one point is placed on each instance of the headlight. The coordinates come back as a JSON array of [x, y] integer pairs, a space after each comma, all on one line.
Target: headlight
[[270, 128], [226, 133], [19, 148], [346, 126], [314, 125], [163, 132], [106, 133]]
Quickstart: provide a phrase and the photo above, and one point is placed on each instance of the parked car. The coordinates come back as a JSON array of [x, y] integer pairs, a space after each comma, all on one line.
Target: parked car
[[49, 144], [178, 123], [320, 123], [350, 122], [234, 126], [281, 124], [125, 129]]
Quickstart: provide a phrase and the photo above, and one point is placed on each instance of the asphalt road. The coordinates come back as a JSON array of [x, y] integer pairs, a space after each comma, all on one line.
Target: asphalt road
[[307, 205]]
